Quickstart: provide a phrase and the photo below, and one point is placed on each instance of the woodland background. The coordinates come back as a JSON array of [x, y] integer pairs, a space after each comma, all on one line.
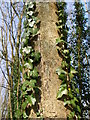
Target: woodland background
[[44, 60]]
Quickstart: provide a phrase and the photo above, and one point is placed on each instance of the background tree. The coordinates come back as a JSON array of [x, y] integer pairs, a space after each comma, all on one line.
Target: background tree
[[18, 53], [79, 43], [10, 39]]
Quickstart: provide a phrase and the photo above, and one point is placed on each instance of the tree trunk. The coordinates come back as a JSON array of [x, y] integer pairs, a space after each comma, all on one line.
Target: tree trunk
[[50, 61]]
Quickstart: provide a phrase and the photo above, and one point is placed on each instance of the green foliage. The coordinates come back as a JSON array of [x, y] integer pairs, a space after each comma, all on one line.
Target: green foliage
[[60, 41], [79, 42], [60, 70], [18, 113], [36, 56], [34, 73], [62, 91], [66, 72], [25, 115], [31, 58]]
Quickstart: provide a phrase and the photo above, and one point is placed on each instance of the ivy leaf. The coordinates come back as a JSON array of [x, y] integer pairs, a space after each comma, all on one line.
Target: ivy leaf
[[70, 94], [30, 61], [72, 114], [29, 89], [23, 93], [24, 40], [60, 26], [25, 76], [36, 56], [34, 18], [31, 5], [27, 49], [75, 99], [25, 84], [62, 91], [37, 90], [77, 90], [34, 73], [32, 83], [31, 24], [60, 14], [78, 108], [73, 103], [29, 65], [60, 21], [30, 13], [71, 75], [59, 11], [25, 22], [18, 113], [60, 70], [66, 51], [67, 102], [21, 68], [30, 19], [64, 64], [59, 41], [24, 115], [73, 71], [24, 104], [33, 31], [63, 76], [31, 100]]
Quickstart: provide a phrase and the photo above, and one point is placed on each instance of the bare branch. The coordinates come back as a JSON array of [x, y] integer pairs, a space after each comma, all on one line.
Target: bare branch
[[4, 75], [14, 9]]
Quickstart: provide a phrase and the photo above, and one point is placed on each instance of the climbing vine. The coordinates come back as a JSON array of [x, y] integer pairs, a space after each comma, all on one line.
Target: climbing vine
[[30, 58], [66, 72], [80, 54]]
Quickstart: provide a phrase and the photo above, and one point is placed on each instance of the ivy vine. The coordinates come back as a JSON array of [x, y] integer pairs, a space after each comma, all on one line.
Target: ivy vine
[[30, 60], [66, 72]]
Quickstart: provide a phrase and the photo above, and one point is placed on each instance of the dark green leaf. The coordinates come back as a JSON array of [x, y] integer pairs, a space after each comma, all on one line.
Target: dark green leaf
[[64, 64], [77, 90], [36, 56], [24, 104], [23, 93], [31, 100], [24, 115], [34, 73], [75, 99], [72, 114], [29, 89], [33, 31], [73, 103], [62, 76], [25, 84], [18, 113], [71, 75], [60, 70], [59, 41], [67, 102], [78, 108], [32, 83], [73, 71], [62, 91], [70, 94]]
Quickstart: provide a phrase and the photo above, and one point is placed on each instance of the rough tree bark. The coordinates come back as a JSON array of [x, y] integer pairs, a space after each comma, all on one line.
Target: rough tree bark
[[50, 60]]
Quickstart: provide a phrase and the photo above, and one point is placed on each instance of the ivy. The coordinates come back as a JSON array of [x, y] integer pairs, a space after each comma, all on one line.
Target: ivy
[[66, 72], [30, 58]]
